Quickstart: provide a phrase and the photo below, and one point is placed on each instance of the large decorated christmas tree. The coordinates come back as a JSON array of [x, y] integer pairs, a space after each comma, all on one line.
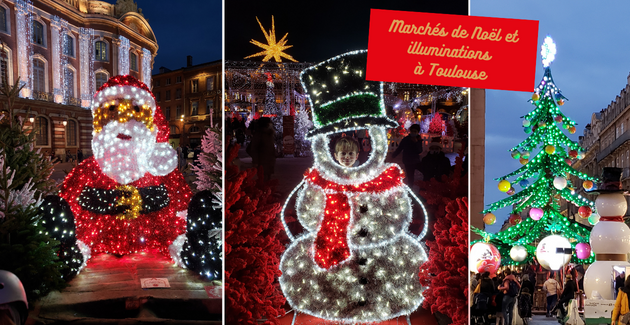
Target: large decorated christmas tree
[[549, 169]]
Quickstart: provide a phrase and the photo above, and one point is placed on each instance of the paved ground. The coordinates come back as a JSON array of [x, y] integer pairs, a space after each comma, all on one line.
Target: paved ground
[[108, 290]]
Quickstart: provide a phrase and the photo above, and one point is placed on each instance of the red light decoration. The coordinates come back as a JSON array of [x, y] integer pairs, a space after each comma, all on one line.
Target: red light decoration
[[111, 234], [331, 245]]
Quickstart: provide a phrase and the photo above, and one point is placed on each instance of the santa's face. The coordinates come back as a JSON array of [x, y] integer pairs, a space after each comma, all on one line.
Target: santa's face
[[121, 150]]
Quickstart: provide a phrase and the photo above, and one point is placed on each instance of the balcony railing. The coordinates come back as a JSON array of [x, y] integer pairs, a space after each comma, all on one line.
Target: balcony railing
[[614, 145], [197, 118], [43, 96]]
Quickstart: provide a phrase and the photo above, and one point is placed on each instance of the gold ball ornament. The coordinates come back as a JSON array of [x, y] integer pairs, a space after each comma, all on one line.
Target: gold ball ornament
[[523, 161], [560, 102], [535, 97], [504, 186], [572, 129], [550, 149]]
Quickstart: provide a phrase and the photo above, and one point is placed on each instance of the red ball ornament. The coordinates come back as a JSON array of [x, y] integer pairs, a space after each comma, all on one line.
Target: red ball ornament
[[573, 153], [558, 118], [568, 161], [515, 219], [489, 219], [585, 211]]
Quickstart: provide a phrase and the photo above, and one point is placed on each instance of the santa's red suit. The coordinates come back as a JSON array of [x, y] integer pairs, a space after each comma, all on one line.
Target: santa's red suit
[[128, 197], [114, 233]]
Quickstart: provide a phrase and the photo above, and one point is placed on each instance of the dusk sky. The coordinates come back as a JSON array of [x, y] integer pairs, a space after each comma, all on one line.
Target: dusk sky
[[184, 28], [591, 68], [318, 30]]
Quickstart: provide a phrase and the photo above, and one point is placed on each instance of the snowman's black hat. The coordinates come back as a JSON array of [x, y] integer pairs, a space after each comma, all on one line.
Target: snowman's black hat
[[610, 182]]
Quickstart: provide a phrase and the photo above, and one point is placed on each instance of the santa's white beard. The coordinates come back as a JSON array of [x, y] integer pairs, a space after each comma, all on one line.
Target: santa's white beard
[[128, 160]]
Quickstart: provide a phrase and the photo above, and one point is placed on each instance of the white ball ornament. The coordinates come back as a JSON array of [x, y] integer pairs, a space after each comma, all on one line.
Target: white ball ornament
[[553, 252], [518, 253], [559, 182]]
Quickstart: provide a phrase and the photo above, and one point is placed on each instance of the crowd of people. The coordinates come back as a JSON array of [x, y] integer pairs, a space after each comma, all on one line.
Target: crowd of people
[[493, 298]]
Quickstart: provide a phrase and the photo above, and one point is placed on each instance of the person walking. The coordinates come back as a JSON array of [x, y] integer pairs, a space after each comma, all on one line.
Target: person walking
[[622, 310], [568, 293], [551, 287], [411, 148], [510, 288]]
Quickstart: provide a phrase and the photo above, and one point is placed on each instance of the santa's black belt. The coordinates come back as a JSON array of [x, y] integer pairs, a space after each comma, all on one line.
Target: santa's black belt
[[102, 201]]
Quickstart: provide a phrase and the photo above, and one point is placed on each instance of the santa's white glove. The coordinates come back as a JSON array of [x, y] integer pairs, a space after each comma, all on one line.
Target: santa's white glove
[[162, 159]]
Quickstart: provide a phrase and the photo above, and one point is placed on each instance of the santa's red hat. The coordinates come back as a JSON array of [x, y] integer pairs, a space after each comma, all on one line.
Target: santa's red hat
[[129, 88]]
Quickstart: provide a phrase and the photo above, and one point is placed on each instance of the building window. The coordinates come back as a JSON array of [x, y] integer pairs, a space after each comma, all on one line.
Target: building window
[[100, 51], [194, 86], [178, 79], [167, 113], [101, 78], [168, 81], [174, 129], [3, 19], [41, 131], [69, 82], [178, 93], [167, 95], [157, 96], [209, 105], [133, 61], [157, 83], [195, 108], [71, 133], [68, 46], [210, 83], [38, 33], [406, 96], [39, 81], [178, 111], [193, 129]]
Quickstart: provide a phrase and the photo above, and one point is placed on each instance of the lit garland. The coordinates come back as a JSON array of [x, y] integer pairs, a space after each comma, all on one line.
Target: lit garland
[[86, 64], [23, 15], [356, 262], [123, 55], [550, 163], [146, 67], [58, 30]]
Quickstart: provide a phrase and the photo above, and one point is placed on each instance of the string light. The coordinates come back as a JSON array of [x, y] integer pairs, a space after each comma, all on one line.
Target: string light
[[356, 262]]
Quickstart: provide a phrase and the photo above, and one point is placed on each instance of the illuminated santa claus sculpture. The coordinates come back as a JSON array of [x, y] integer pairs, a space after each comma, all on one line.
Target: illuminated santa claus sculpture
[[128, 197]]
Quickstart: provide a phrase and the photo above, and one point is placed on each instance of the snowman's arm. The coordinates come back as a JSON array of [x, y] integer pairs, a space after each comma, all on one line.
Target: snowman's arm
[[425, 227], [286, 227]]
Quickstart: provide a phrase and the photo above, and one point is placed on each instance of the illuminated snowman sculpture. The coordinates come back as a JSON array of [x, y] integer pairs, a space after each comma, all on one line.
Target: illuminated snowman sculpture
[[610, 237], [356, 261]]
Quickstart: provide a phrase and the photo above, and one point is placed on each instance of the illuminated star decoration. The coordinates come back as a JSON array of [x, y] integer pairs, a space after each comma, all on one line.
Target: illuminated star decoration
[[548, 51], [273, 49]]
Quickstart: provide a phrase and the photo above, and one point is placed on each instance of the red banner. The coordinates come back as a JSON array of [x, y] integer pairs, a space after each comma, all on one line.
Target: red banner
[[452, 50]]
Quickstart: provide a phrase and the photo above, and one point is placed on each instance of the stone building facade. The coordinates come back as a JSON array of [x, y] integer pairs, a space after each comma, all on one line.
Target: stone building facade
[[62, 51], [190, 99], [606, 140]]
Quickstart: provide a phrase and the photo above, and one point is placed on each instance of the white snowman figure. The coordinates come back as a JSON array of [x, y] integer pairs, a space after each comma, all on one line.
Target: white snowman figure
[[610, 237], [356, 262]]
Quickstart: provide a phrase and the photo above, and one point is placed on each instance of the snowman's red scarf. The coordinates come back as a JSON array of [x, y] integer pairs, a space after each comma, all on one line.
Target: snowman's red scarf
[[331, 244]]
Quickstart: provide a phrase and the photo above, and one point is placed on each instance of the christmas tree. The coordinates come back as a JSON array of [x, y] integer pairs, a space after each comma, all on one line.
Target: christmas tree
[[209, 166], [25, 248], [302, 125], [437, 124], [274, 112], [252, 246], [550, 168]]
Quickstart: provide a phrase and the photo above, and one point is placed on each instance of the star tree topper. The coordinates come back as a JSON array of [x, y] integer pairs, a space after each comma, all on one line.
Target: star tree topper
[[273, 49]]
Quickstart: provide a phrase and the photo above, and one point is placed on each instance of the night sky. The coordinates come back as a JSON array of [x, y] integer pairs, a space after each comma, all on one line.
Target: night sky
[[591, 69], [318, 30], [184, 28]]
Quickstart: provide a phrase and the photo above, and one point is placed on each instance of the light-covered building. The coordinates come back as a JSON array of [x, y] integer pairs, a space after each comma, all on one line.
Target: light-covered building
[[62, 51]]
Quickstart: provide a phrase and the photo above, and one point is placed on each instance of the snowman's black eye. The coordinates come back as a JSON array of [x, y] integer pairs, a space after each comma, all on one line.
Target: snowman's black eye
[[110, 107], [136, 108]]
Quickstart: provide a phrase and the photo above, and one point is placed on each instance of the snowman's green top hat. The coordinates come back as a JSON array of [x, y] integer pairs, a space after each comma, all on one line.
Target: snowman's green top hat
[[340, 97]]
